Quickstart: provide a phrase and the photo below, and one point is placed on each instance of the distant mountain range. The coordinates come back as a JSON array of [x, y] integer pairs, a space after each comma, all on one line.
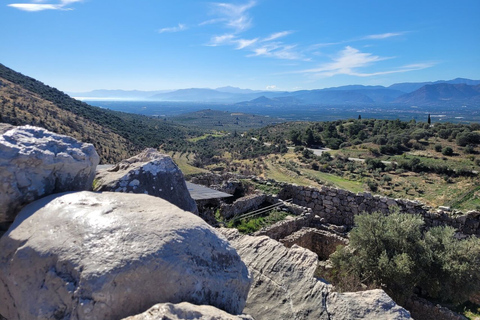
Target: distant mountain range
[[453, 92]]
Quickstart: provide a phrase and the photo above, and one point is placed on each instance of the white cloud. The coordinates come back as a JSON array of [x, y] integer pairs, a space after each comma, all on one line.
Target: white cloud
[[226, 39], [383, 36], [234, 16], [244, 43], [406, 68], [40, 5], [178, 28], [272, 87], [277, 50], [350, 60], [277, 35]]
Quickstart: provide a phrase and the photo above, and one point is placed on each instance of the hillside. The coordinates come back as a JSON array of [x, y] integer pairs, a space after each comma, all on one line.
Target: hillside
[[115, 135]]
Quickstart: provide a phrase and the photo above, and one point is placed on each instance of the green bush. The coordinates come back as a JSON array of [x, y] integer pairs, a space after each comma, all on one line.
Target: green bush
[[447, 151], [393, 252]]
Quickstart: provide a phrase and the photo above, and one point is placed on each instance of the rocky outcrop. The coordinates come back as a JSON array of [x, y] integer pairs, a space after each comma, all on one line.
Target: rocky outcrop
[[149, 172], [185, 311], [36, 162], [86, 255], [284, 286], [371, 304]]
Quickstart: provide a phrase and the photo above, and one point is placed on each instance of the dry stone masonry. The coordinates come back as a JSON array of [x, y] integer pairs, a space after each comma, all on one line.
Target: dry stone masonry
[[339, 207], [322, 242]]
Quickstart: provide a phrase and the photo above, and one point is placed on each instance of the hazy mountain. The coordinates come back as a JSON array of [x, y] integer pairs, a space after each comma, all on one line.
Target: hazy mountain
[[355, 95], [230, 89], [196, 95], [442, 94], [355, 87], [412, 86], [116, 94]]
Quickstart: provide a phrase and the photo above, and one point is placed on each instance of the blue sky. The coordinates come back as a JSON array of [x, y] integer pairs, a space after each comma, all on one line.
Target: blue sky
[[81, 45]]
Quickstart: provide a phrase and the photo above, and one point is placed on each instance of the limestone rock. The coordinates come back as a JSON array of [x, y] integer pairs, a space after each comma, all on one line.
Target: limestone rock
[[36, 162], [371, 304], [284, 286], [185, 311], [86, 255], [149, 172]]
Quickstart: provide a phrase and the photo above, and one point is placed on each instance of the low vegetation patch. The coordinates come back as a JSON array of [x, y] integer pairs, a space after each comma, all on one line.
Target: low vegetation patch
[[394, 253], [254, 224]]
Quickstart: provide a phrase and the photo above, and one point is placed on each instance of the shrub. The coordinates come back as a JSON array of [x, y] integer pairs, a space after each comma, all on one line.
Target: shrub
[[447, 151], [438, 148], [372, 185], [392, 251]]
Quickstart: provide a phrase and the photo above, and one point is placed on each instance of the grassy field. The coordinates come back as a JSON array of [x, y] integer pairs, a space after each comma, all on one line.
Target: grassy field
[[183, 162]]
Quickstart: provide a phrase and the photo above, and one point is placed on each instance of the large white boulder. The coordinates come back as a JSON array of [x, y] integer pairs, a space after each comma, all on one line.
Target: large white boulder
[[36, 162], [149, 172], [284, 286], [186, 311], [86, 255]]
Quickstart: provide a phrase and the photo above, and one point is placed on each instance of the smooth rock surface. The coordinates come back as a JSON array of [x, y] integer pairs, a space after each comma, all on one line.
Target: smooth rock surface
[[185, 311], [371, 304], [35, 162], [284, 286], [86, 255], [149, 172]]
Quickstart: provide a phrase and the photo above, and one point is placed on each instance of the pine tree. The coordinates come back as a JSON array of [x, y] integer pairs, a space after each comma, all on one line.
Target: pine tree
[[429, 120]]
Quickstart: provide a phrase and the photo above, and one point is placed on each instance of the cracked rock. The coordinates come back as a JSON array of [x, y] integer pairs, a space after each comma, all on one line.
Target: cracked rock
[[87, 255], [284, 286], [36, 162], [149, 172]]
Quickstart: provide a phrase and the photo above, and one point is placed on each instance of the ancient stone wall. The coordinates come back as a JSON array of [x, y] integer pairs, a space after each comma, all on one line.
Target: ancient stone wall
[[286, 227], [321, 242], [242, 205], [339, 207]]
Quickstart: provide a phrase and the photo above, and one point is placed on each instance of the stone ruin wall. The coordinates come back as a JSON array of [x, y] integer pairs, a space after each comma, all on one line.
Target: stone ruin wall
[[322, 242], [337, 206]]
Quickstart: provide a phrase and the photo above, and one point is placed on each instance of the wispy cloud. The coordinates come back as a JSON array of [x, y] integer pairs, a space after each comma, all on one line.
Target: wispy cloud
[[350, 61], [178, 28], [225, 39], [277, 35], [346, 62], [383, 36], [277, 50], [245, 43], [41, 5], [406, 68], [232, 15], [380, 36]]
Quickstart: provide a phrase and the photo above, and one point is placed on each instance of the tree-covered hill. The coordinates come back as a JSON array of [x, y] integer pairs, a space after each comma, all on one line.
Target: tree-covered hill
[[116, 135]]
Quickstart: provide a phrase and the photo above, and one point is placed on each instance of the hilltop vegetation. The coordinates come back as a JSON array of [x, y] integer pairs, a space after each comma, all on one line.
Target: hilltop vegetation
[[437, 164], [116, 135]]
